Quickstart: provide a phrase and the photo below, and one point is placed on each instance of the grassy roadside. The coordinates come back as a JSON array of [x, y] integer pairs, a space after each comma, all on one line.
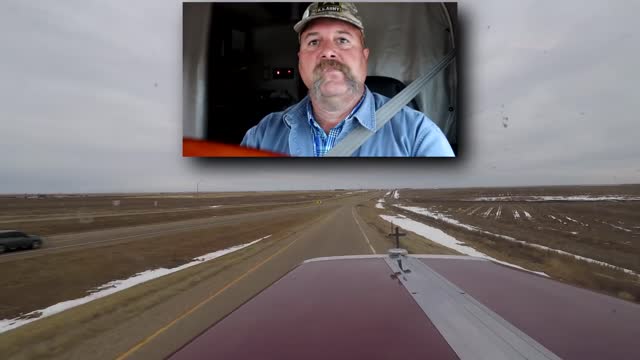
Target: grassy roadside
[[413, 243], [595, 239], [560, 267], [90, 223], [55, 335], [73, 273]]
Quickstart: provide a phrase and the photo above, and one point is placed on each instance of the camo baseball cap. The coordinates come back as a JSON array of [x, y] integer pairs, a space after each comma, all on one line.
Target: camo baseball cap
[[344, 11]]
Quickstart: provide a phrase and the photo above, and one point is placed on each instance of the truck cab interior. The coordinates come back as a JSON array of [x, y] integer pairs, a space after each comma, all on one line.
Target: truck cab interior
[[240, 62]]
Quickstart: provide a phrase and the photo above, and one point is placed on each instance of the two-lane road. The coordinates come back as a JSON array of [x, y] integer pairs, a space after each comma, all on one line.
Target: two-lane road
[[343, 232], [158, 330]]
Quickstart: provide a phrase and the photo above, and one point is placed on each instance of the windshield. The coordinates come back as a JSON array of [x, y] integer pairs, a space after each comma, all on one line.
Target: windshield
[[131, 251]]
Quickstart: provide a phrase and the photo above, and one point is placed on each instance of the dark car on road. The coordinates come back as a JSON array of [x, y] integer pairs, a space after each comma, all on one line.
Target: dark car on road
[[11, 240]]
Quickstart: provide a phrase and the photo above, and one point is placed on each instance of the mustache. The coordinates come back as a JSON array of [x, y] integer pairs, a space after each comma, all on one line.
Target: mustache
[[332, 64], [336, 65]]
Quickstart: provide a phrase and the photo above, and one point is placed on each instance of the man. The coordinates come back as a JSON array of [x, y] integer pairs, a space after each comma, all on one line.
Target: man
[[332, 62]]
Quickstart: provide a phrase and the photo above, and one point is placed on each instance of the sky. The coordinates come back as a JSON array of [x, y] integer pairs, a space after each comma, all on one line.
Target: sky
[[90, 101]]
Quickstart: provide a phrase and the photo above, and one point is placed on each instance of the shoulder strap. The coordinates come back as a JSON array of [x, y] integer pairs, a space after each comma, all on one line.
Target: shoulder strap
[[359, 135]]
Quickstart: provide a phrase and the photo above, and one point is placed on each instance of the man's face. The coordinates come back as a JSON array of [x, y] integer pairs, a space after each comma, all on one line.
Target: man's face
[[332, 59]]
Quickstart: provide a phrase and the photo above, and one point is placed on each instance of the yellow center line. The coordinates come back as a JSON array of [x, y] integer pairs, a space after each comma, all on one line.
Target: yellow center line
[[199, 305]]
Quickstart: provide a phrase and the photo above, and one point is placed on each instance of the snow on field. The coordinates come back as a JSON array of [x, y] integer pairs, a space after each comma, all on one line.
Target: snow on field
[[573, 220], [474, 210], [555, 218], [436, 216], [396, 194], [114, 287], [442, 238], [617, 227], [558, 198], [576, 221], [499, 212], [444, 218], [387, 194], [379, 204], [214, 206], [529, 217], [515, 214], [488, 212]]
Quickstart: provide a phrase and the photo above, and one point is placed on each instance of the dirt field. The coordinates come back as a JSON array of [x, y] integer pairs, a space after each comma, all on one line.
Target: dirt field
[[75, 272], [137, 235], [106, 327], [84, 220], [603, 230], [61, 214]]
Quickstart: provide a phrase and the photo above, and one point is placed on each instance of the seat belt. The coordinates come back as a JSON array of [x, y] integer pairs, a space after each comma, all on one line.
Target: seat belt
[[359, 135]]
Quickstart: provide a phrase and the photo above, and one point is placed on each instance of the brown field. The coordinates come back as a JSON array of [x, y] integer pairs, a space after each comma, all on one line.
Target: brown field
[[607, 230], [60, 214], [94, 260], [90, 242]]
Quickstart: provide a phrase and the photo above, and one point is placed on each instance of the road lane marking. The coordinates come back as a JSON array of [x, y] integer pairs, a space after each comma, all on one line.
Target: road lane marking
[[365, 235], [200, 304]]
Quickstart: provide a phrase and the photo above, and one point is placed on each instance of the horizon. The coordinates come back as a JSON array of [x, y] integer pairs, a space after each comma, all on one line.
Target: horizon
[[92, 100], [309, 190]]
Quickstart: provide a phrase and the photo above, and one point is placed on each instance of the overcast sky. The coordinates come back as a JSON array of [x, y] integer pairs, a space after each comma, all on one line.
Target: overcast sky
[[90, 96]]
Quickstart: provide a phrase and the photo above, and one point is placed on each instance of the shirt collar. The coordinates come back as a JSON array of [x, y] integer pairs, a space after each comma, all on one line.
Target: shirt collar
[[363, 112]]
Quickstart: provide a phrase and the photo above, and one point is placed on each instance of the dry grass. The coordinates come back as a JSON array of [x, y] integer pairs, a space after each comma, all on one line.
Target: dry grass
[[73, 273], [565, 268], [89, 223], [413, 243], [61, 332], [88, 213]]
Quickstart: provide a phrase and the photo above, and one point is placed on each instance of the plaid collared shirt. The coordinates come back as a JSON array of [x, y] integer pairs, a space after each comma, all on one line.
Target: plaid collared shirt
[[322, 142]]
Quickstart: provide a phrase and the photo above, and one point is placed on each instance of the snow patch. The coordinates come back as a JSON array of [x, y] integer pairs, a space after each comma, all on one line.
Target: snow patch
[[529, 217], [576, 221], [617, 227], [558, 198], [396, 194], [555, 218], [114, 287], [515, 214], [442, 238], [442, 217]]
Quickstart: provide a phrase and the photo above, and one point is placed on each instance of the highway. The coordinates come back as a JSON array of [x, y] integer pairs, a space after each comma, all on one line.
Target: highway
[[170, 313]]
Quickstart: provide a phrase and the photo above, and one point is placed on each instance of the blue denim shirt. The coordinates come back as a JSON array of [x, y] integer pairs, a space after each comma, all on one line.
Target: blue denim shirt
[[408, 133], [323, 142]]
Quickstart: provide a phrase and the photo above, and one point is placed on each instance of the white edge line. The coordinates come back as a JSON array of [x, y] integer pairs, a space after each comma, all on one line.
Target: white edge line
[[112, 287], [362, 231], [345, 257]]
